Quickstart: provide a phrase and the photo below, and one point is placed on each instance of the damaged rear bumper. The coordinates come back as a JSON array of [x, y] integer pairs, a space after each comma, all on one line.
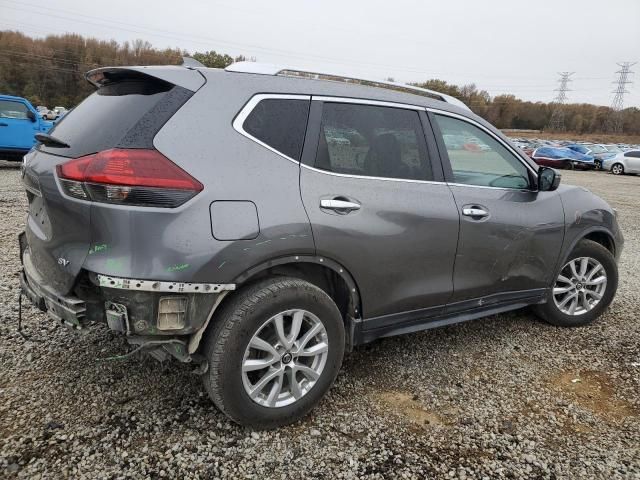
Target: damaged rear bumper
[[66, 309], [160, 315]]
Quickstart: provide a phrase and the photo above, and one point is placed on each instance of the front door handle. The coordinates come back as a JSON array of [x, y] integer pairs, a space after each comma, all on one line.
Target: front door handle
[[339, 205], [474, 211], [4, 124]]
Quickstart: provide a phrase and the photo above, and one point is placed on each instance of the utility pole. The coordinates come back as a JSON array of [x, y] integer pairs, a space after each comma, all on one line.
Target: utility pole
[[557, 117], [614, 122]]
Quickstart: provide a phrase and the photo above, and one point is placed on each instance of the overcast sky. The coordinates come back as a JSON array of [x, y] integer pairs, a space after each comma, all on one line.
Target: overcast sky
[[503, 46]]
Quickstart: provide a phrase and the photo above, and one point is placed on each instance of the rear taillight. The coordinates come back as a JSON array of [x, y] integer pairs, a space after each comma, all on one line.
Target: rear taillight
[[128, 177]]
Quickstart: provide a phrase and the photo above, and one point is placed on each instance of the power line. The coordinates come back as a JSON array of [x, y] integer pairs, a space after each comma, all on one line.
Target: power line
[[614, 122], [209, 41], [557, 117]]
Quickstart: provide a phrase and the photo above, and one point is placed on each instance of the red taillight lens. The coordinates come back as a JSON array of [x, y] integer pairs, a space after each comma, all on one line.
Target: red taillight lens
[[128, 176]]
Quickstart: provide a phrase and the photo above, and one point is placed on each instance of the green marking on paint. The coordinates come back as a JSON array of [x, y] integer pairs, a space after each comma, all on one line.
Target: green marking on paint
[[113, 264], [98, 247], [178, 267]]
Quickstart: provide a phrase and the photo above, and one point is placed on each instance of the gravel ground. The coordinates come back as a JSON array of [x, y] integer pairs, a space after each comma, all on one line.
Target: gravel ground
[[504, 397]]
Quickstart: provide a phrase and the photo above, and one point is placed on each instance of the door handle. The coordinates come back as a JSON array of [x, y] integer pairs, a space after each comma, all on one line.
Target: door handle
[[474, 211], [337, 205], [4, 124]]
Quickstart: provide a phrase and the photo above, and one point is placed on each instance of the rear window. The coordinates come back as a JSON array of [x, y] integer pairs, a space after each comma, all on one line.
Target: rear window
[[105, 118], [279, 123]]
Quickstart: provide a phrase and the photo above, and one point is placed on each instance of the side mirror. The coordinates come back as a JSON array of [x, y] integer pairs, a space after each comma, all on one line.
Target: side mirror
[[548, 179], [31, 116]]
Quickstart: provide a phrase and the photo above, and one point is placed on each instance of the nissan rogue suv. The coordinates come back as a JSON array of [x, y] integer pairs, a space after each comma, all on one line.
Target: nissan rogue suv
[[310, 213]]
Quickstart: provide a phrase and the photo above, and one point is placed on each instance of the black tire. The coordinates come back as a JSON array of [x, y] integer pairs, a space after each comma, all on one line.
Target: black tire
[[234, 326], [598, 165], [617, 172], [549, 311]]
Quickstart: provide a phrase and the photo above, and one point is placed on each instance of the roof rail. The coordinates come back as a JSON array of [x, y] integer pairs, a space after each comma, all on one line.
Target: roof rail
[[271, 69]]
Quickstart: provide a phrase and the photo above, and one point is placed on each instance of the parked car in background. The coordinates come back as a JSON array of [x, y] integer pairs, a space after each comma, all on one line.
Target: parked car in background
[[59, 112], [310, 216], [613, 148], [19, 122], [561, 157], [48, 114], [597, 151], [42, 111], [623, 162]]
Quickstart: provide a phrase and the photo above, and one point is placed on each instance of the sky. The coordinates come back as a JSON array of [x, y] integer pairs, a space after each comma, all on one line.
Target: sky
[[503, 46]]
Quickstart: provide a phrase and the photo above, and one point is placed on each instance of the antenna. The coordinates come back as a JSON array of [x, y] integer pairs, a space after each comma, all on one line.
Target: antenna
[[557, 117], [614, 122]]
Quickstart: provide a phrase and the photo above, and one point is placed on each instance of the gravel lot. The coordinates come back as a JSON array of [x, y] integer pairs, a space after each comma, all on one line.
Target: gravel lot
[[503, 397]]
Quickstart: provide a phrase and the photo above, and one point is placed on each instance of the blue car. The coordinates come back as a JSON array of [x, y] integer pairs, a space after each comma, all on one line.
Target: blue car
[[598, 152], [19, 122]]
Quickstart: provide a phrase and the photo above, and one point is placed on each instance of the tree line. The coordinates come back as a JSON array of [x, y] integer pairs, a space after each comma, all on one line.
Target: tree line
[[50, 71]]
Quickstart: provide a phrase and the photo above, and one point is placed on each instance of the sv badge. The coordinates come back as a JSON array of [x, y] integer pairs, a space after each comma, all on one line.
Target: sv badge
[[63, 261]]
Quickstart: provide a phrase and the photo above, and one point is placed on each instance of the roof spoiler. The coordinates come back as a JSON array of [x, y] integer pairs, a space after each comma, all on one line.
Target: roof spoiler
[[174, 74]]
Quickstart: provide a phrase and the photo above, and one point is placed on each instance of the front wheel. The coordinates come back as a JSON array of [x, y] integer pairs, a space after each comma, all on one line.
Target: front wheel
[[598, 164], [583, 288], [617, 169], [274, 351]]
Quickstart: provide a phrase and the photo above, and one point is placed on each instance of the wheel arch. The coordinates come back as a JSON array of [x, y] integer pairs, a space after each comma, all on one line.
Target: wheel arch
[[313, 269], [599, 235], [326, 273]]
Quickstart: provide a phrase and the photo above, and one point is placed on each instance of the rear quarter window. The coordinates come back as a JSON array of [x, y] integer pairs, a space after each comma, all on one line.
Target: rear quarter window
[[280, 124]]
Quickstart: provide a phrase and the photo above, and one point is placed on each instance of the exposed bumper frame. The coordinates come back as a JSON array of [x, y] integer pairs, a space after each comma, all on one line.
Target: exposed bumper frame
[[160, 286]]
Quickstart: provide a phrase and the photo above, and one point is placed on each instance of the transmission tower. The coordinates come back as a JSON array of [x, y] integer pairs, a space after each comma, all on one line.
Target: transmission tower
[[614, 123], [557, 117]]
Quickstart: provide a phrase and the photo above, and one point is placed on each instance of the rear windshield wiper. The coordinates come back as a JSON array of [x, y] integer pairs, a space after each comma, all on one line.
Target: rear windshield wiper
[[50, 141]]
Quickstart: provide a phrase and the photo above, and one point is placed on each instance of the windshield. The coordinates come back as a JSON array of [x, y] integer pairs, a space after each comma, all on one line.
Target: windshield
[[597, 149]]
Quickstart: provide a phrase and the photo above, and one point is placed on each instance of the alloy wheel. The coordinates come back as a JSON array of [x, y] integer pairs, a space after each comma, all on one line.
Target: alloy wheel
[[617, 169], [285, 358], [580, 286]]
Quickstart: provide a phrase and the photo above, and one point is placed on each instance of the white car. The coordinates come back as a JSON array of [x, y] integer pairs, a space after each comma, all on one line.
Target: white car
[[624, 162], [59, 112]]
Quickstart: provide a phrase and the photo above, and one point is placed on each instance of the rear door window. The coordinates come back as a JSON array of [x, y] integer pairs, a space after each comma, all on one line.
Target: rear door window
[[372, 141], [279, 123]]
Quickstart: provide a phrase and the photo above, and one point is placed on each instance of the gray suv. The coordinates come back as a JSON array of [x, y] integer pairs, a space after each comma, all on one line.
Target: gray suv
[[260, 221]]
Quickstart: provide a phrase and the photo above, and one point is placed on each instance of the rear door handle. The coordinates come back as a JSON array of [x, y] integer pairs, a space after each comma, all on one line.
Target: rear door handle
[[4, 124], [339, 205], [474, 211]]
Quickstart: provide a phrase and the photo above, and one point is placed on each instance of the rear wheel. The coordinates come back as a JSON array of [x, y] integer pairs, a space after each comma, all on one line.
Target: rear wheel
[[583, 288], [617, 169], [598, 164], [275, 351]]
